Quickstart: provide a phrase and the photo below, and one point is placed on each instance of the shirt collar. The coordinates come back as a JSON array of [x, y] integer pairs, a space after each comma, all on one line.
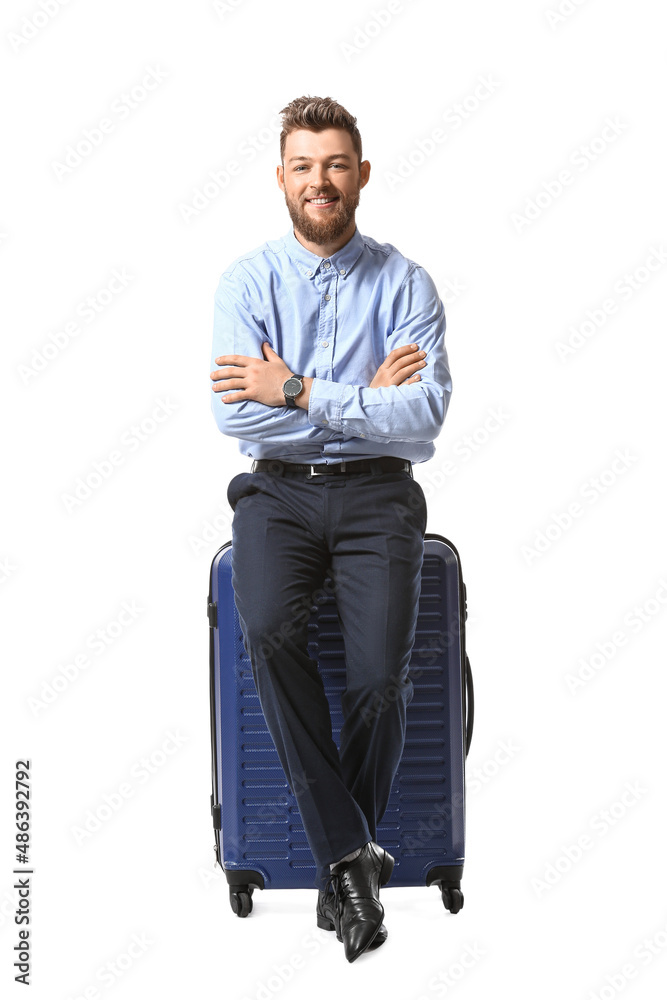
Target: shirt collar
[[310, 263]]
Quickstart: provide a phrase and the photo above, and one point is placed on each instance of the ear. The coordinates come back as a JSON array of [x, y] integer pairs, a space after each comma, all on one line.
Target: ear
[[364, 173], [280, 177]]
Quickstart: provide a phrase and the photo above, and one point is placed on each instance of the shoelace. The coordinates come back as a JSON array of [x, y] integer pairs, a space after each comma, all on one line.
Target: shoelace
[[345, 884], [332, 884], [342, 886]]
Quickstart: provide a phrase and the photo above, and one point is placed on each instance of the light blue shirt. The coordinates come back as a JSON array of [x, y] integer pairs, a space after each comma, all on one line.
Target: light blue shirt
[[334, 319]]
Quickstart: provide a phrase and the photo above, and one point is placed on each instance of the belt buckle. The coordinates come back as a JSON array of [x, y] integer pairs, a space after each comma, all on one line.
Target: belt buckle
[[315, 472]]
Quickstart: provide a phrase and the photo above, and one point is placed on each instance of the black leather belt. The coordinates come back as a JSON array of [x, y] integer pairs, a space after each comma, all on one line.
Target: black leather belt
[[383, 463]]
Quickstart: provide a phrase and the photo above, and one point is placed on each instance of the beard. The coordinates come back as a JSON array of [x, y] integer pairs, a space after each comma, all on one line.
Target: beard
[[329, 228]]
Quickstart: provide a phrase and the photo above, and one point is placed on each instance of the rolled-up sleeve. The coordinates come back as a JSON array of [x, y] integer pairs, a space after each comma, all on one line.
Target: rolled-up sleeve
[[414, 412]]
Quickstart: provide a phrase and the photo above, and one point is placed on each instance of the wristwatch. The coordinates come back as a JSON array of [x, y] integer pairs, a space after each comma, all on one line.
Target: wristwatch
[[291, 388]]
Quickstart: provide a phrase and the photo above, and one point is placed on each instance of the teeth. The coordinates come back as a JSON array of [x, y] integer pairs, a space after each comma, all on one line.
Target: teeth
[[320, 201]]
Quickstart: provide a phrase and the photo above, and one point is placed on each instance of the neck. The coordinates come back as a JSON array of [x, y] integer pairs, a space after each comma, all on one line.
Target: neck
[[327, 249]]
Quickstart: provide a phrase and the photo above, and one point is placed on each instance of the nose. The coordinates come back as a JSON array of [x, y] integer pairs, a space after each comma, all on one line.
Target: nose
[[317, 181]]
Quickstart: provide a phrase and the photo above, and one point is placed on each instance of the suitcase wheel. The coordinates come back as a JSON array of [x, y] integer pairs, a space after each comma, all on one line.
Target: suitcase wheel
[[452, 898], [240, 899]]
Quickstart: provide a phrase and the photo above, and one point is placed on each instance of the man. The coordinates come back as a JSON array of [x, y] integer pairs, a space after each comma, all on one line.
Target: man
[[333, 374]]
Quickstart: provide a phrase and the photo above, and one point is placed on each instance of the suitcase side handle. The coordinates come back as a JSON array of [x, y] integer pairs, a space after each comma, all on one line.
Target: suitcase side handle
[[470, 704]]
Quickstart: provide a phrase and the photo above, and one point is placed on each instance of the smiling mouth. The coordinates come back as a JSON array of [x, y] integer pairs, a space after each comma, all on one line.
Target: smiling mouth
[[321, 202]]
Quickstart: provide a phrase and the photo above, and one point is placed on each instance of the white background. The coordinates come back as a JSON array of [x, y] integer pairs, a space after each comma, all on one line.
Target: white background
[[145, 535]]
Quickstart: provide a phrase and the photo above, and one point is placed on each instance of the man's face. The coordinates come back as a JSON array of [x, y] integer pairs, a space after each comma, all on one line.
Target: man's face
[[321, 179]]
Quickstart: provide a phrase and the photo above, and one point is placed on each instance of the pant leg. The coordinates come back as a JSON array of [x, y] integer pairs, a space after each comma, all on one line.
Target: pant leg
[[377, 545], [279, 560]]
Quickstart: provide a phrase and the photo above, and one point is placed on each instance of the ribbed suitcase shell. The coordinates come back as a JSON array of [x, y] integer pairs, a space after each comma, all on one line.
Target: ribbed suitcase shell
[[260, 838]]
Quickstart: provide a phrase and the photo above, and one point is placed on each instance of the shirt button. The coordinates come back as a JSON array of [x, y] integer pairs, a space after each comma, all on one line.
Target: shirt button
[[325, 421], [309, 273], [327, 264], [327, 297], [325, 343], [343, 271]]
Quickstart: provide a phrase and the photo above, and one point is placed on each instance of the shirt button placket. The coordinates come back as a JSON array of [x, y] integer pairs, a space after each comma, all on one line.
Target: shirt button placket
[[327, 320]]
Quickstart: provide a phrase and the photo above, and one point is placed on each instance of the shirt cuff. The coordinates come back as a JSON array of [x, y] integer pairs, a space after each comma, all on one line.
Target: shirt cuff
[[325, 403]]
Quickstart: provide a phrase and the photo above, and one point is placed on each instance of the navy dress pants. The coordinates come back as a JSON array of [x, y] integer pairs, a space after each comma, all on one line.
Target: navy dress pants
[[366, 532]]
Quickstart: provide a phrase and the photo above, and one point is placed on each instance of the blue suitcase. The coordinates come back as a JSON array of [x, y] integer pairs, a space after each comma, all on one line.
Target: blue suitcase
[[259, 836]]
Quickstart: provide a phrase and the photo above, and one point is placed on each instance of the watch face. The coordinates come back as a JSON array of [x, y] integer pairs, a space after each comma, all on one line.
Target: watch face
[[292, 386]]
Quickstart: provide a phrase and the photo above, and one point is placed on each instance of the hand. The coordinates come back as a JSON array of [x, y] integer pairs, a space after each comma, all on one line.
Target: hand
[[260, 379], [398, 367]]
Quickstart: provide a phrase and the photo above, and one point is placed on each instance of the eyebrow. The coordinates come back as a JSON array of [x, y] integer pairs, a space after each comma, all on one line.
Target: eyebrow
[[334, 156]]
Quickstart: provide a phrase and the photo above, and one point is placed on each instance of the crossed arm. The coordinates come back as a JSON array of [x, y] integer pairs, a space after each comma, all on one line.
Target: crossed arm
[[263, 379], [399, 405]]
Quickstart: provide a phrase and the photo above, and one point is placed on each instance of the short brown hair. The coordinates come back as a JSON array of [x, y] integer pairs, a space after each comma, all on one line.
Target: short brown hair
[[317, 114]]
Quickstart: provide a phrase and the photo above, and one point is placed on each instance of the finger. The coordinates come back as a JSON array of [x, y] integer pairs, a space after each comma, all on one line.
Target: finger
[[236, 397], [229, 383], [411, 361], [226, 372], [408, 358], [233, 359], [399, 352], [407, 367]]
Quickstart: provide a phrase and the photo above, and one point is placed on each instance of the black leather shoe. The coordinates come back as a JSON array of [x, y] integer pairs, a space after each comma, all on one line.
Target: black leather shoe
[[355, 907], [325, 918]]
